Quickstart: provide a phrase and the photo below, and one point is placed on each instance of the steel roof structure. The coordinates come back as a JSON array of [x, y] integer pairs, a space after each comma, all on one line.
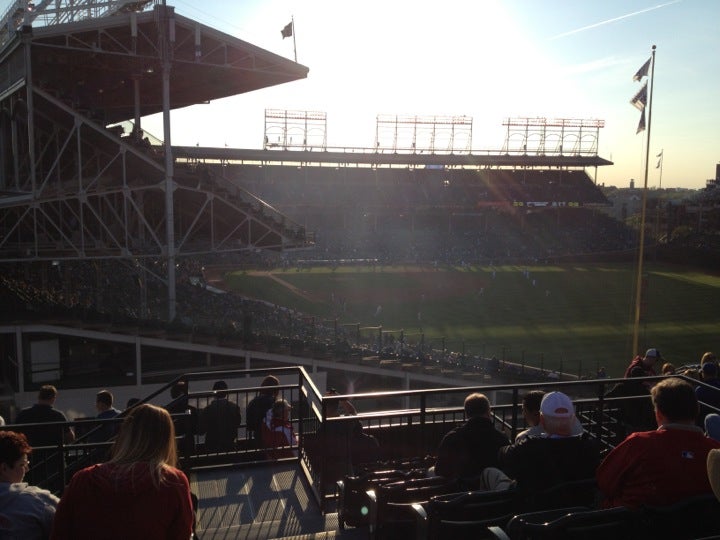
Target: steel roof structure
[[80, 179], [75, 185]]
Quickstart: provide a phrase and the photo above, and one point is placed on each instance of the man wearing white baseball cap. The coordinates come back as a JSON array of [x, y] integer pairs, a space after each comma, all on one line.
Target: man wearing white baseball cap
[[556, 457]]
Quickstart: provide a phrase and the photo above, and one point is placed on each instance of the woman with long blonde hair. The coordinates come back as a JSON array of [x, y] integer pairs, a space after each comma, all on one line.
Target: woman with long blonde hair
[[138, 494]]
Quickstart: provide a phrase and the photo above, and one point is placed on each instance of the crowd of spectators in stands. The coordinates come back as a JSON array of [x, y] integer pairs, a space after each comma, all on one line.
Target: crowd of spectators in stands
[[657, 465], [654, 467], [480, 237], [417, 216]]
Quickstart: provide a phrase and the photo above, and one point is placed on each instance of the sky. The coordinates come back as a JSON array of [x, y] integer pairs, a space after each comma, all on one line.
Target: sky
[[486, 59]]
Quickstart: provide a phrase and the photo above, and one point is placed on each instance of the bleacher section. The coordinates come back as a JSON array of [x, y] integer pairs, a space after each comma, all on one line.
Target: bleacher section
[[453, 214]]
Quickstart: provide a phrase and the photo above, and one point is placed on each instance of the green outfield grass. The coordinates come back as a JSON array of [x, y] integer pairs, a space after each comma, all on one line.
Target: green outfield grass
[[572, 318]]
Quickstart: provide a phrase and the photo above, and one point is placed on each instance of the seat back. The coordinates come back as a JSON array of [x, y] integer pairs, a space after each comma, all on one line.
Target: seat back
[[689, 518], [404, 464], [393, 515], [468, 514], [353, 503], [576, 523], [566, 494]]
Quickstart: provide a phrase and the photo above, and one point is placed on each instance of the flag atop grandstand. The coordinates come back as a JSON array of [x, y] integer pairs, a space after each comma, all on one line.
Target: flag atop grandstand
[[640, 99], [287, 31], [660, 157], [643, 71], [641, 123]]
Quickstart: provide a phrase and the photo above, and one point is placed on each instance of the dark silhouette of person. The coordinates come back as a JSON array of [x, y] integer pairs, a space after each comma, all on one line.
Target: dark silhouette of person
[[219, 421]]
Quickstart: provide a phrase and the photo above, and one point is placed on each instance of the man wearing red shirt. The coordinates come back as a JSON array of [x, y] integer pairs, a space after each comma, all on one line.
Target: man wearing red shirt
[[660, 467], [643, 366]]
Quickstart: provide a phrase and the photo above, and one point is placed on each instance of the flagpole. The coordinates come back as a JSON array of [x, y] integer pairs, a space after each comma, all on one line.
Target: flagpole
[[292, 22], [657, 208], [641, 250], [658, 205]]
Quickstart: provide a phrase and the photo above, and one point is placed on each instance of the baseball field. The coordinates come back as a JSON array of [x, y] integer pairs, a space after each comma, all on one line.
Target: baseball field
[[573, 318]]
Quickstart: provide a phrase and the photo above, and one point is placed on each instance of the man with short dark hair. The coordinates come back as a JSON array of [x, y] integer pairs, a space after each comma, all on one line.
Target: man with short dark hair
[[219, 421], [531, 413], [104, 406], [186, 425], [466, 450], [44, 411], [259, 406], [664, 466], [47, 461]]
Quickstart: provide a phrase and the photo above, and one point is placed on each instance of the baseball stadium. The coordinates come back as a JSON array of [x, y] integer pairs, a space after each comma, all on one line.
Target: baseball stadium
[[398, 277]]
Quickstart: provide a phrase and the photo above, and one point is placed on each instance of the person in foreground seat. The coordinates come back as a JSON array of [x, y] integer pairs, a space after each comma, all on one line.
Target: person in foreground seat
[[138, 494], [25, 511], [531, 412], [713, 470], [219, 421], [661, 467], [466, 450], [554, 457]]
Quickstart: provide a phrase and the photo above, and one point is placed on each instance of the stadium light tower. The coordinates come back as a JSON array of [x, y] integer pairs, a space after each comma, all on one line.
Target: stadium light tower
[[556, 136]]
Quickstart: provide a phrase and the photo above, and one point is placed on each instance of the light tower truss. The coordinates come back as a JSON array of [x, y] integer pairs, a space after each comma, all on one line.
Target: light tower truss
[[558, 136], [430, 134], [80, 179], [295, 130]]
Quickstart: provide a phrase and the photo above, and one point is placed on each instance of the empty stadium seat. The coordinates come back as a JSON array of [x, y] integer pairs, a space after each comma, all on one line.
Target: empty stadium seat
[[353, 505], [467, 515], [391, 506], [695, 517], [576, 523]]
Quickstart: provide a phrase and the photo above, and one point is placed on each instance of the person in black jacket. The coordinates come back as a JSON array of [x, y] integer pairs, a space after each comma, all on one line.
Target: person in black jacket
[[219, 421], [468, 449], [186, 425], [558, 456], [258, 407]]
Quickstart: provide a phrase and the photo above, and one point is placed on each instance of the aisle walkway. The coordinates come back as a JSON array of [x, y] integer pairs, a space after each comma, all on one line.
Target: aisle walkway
[[260, 503]]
